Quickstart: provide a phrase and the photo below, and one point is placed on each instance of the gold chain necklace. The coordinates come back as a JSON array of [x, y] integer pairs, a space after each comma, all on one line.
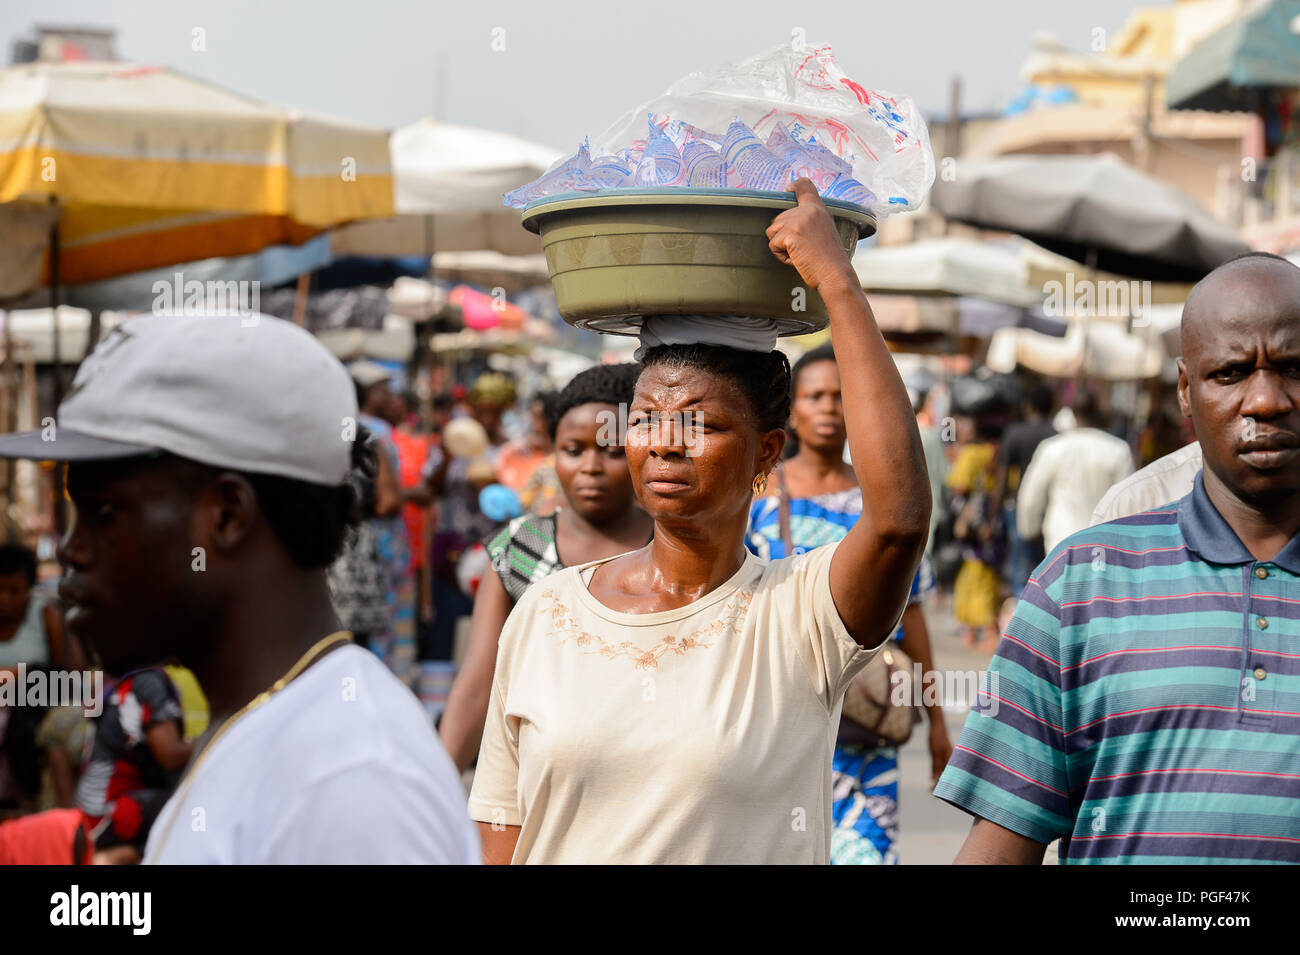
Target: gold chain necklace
[[304, 661]]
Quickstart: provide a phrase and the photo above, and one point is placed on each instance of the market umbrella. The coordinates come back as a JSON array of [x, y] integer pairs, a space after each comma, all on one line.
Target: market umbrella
[[117, 168], [492, 269], [926, 292], [980, 318], [1105, 353], [932, 319], [914, 317], [449, 181], [1233, 67], [32, 329], [110, 169], [1095, 209], [138, 291], [948, 266], [493, 340], [1042, 267]]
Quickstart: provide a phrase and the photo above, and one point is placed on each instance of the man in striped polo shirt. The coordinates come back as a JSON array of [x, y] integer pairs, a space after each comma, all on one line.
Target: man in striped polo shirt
[[1144, 703]]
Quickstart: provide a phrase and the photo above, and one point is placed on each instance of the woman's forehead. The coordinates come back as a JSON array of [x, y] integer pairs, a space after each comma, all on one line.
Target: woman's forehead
[[818, 374], [677, 386], [585, 416]]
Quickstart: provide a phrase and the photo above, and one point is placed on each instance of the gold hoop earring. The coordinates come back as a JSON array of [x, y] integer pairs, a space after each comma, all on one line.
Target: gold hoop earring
[[760, 484]]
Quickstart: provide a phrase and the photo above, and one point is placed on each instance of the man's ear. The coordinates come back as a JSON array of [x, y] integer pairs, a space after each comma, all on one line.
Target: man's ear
[[1184, 397], [225, 512]]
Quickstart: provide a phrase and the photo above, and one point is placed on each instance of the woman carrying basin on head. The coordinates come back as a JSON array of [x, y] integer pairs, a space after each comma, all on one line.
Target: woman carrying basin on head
[[679, 703]]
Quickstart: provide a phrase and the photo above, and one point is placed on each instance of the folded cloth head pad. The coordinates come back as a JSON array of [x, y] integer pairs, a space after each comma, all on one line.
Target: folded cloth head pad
[[745, 332]]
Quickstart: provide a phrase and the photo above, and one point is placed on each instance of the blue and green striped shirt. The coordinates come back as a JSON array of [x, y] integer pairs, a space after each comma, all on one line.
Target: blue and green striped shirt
[[1144, 703]]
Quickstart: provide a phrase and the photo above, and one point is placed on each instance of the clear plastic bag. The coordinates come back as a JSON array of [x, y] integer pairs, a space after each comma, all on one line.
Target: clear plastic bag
[[757, 124]]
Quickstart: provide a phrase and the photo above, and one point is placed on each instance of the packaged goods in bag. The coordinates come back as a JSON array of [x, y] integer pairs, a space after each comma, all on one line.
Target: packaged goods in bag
[[749, 165], [756, 125], [703, 165], [661, 163]]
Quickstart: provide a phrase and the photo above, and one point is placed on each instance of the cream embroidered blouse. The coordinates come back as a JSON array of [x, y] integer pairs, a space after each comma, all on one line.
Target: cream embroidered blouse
[[697, 735]]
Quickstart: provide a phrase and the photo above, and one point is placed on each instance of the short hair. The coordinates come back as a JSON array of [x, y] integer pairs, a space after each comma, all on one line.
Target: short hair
[[762, 377], [989, 427], [1086, 408], [821, 353], [362, 391], [17, 559], [311, 521], [602, 384], [1039, 398]]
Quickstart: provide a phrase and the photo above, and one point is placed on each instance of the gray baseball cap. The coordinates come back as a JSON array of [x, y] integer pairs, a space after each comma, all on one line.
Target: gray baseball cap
[[249, 393]]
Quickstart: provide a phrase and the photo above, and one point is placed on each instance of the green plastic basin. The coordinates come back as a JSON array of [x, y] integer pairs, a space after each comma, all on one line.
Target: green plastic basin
[[617, 255]]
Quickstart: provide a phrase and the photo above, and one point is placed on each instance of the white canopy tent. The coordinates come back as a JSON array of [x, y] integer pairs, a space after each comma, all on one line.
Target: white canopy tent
[[488, 269], [394, 342], [1102, 352], [950, 266], [447, 183], [33, 328]]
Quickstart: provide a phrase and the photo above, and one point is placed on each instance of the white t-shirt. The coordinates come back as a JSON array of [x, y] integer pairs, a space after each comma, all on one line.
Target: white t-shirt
[[1067, 477], [1162, 481], [340, 766], [697, 735]]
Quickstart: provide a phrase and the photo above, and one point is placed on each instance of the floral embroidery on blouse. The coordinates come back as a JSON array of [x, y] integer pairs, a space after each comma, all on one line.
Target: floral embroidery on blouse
[[566, 628]]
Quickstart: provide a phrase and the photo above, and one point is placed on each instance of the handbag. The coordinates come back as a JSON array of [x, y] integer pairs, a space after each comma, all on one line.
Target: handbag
[[868, 700], [868, 703]]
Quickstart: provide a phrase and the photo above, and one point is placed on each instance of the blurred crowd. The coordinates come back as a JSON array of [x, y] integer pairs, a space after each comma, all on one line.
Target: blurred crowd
[[1018, 463], [476, 494]]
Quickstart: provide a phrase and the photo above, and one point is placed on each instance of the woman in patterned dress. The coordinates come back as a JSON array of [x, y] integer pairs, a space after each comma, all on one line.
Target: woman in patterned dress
[[601, 519], [823, 501]]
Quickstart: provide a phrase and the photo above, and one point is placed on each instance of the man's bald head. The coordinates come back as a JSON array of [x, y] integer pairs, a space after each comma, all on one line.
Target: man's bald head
[[1239, 379], [1247, 286]]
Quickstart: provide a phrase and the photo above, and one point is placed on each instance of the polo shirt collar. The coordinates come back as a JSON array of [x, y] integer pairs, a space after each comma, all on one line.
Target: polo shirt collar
[[1210, 537]]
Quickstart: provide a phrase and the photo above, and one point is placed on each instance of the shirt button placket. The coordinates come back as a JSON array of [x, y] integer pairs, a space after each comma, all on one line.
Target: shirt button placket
[[1258, 623]]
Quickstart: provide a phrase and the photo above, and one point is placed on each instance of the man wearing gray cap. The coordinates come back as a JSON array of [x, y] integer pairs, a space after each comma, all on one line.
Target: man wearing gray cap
[[208, 466]]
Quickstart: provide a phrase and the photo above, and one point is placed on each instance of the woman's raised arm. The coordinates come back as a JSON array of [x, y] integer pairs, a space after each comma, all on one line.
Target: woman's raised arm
[[871, 572]]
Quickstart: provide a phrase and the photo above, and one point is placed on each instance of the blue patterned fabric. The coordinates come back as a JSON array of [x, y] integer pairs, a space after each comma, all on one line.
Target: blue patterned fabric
[[814, 521], [864, 806], [394, 643]]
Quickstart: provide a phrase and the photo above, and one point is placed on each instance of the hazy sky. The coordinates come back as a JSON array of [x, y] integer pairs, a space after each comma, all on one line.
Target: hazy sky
[[568, 68]]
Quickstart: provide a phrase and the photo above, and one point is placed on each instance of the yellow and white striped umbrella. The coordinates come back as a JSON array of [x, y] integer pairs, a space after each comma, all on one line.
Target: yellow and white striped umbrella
[[148, 167]]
